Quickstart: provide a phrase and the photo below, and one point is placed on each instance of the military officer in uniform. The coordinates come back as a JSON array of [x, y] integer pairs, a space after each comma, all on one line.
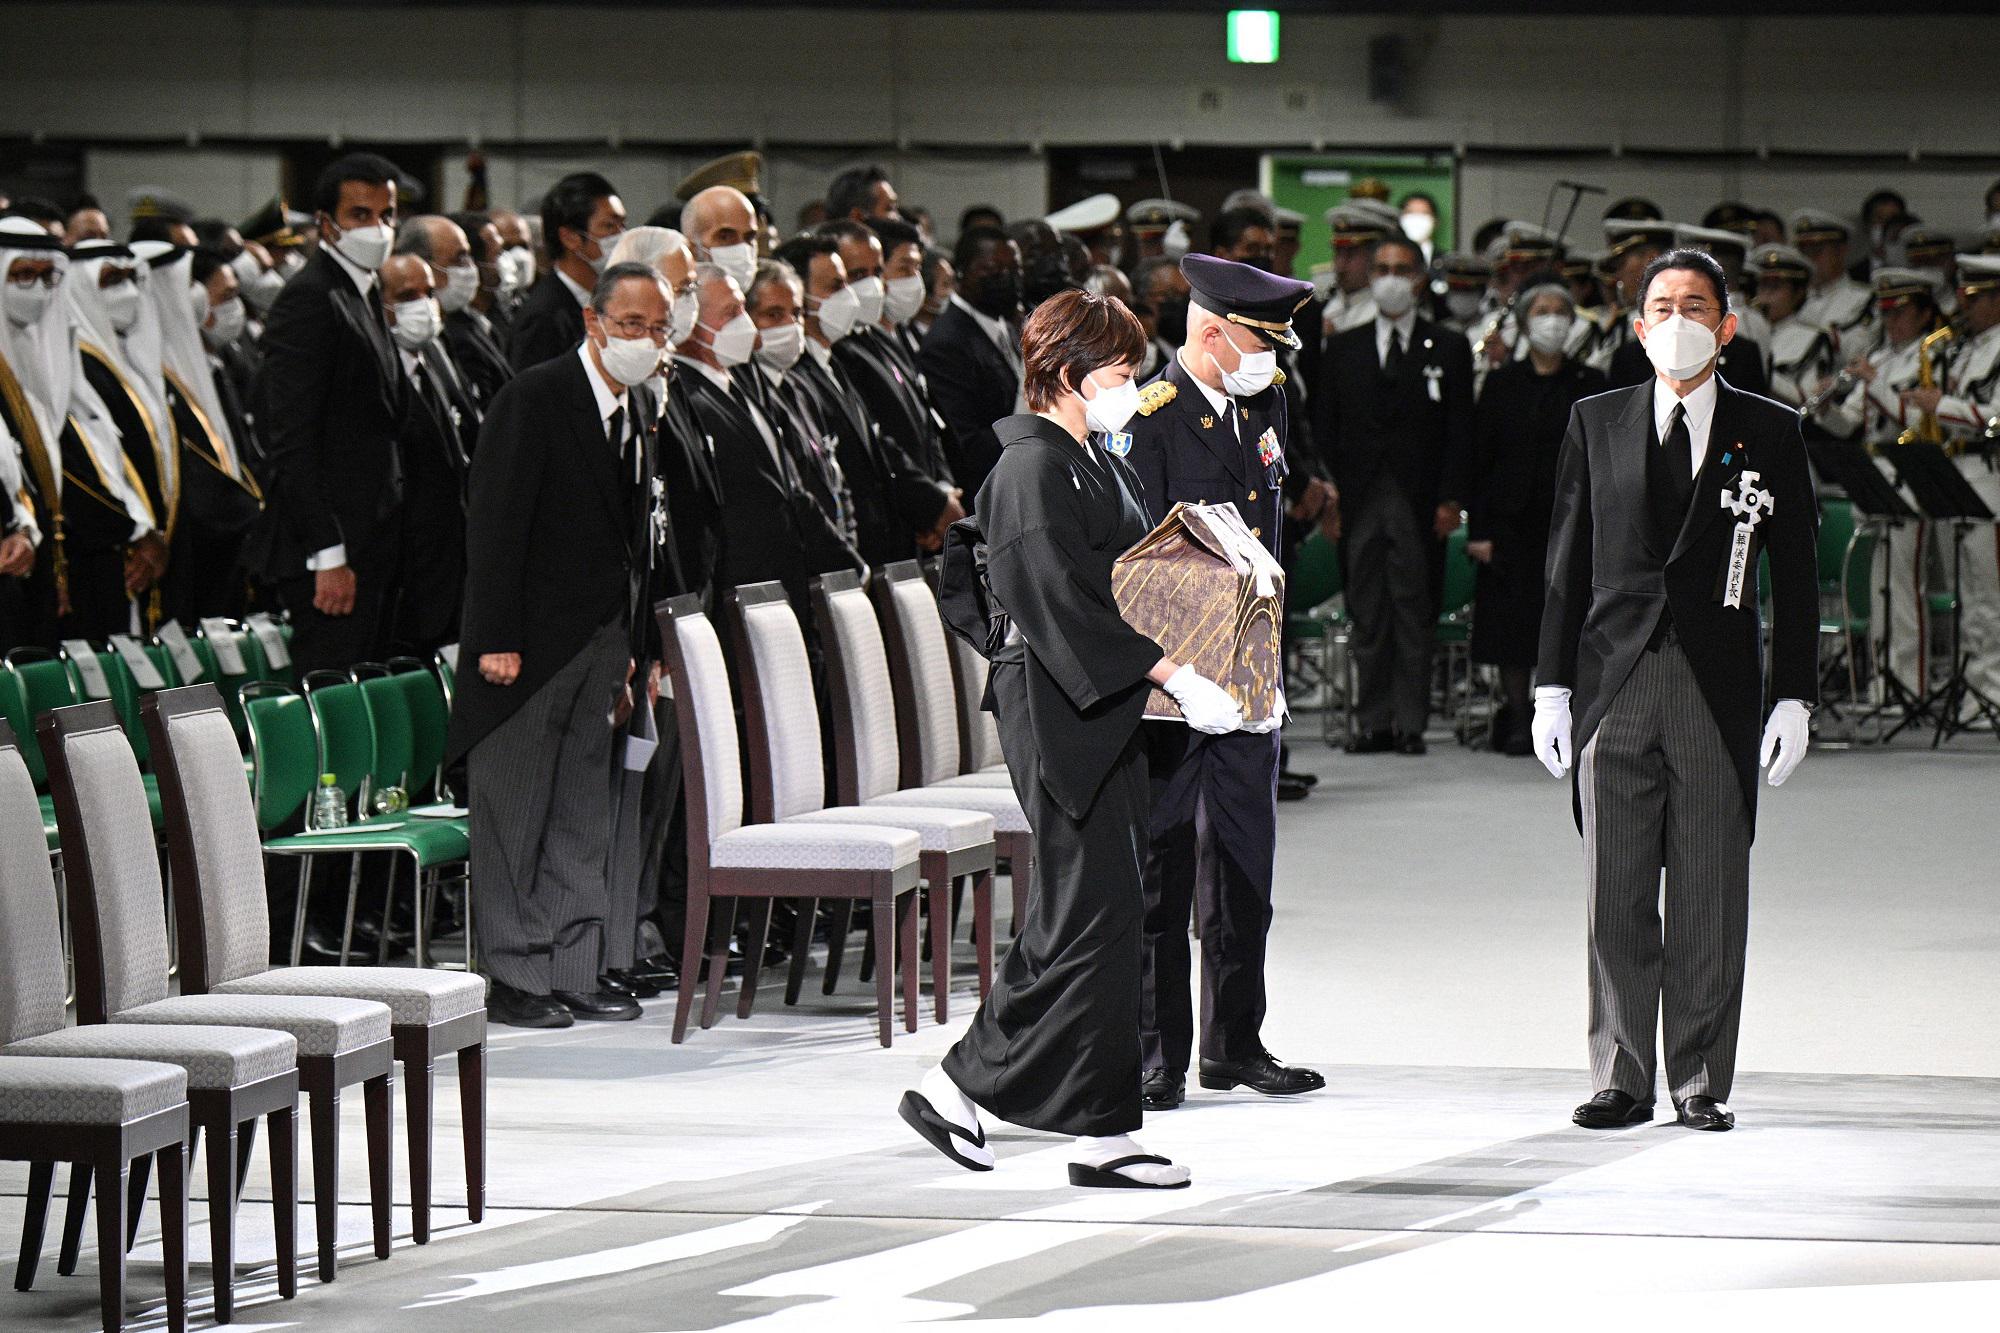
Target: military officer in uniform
[[1461, 282], [1804, 356], [1357, 226], [1629, 245], [1094, 221], [1151, 224], [1730, 248], [1835, 300], [1213, 427]]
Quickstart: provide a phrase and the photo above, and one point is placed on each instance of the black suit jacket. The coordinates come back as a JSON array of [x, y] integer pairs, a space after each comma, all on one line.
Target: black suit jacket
[[1367, 427], [547, 323], [973, 386], [1184, 451], [694, 494], [330, 398], [1741, 362], [559, 543], [813, 454], [896, 398], [478, 356], [879, 479], [1610, 584]]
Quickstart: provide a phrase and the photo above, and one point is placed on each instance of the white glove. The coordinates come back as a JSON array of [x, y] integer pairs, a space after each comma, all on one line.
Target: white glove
[[1551, 729], [1785, 737], [1205, 705], [1273, 722]]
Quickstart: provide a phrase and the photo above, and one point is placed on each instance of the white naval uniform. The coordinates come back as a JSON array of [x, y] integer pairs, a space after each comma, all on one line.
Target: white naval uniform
[[1803, 354], [1847, 308], [1971, 399], [1875, 407], [1347, 310], [1751, 324]]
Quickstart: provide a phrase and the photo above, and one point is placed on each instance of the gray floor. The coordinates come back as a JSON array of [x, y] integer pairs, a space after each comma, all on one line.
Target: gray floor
[[1427, 955]]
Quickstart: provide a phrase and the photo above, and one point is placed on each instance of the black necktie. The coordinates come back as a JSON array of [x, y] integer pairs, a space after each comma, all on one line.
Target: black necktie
[[615, 433], [1392, 361], [1673, 472]]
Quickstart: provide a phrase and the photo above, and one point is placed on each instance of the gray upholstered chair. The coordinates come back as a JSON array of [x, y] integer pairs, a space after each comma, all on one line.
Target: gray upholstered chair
[[224, 923], [227, 1076], [113, 879], [926, 692], [868, 747], [788, 785], [978, 733], [102, 1113], [729, 859]]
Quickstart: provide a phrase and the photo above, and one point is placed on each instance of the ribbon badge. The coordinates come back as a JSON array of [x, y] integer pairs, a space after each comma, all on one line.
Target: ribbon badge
[[1269, 451], [659, 515], [1750, 505]]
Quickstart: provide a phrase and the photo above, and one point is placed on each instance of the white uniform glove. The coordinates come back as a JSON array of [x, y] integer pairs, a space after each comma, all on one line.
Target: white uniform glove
[[1551, 729], [1273, 722], [1205, 705], [1785, 737]]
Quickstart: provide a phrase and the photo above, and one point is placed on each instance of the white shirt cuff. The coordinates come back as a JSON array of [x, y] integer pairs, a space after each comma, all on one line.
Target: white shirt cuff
[[333, 557]]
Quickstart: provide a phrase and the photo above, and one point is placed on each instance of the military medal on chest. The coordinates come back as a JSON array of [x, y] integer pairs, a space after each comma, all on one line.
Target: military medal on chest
[[1751, 506]]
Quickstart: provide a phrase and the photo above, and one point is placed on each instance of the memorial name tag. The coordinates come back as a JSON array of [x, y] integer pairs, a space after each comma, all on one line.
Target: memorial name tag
[[1750, 505]]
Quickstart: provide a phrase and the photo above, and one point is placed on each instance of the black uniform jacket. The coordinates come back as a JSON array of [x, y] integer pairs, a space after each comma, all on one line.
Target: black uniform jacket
[[1610, 582], [1055, 517], [1184, 451]]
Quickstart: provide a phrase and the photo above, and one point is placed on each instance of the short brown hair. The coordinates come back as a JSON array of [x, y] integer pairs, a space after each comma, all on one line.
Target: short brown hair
[[1072, 334]]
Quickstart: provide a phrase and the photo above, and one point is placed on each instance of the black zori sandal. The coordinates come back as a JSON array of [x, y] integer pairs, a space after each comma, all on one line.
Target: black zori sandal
[[920, 1115], [1106, 1177]]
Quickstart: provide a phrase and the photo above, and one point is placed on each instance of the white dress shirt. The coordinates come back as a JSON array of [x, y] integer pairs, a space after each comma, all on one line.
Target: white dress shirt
[[576, 289], [721, 380], [1700, 404], [1406, 326], [1224, 405], [1006, 340]]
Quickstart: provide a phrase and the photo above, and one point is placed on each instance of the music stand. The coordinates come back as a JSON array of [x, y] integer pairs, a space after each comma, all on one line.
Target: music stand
[[1882, 507], [1943, 494]]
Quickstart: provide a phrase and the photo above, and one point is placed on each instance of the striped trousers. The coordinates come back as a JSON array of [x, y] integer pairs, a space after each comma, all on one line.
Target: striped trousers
[[1659, 793]]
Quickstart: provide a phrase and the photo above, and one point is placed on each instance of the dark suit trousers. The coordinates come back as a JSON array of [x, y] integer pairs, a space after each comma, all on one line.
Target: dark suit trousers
[[337, 642], [541, 802], [1214, 836], [1055, 1047], [1659, 791], [1389, 594], [98, 606]]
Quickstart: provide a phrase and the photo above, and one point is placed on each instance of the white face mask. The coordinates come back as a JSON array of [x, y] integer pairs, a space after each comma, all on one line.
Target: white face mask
[[738, 261], [1175, 242], [517, 270], [1463, 305], [1253, 374], [735, 341], [1111, 409], [1679, 348], [683, 316], [1393, 295], [780, 345], [838, 314], [869, 294], [260, 285], [1548, 334], [25, 305], [461, 284], [227, 324], [416, 322], [367, 248], [605, 245], [630, 361], [905, 297], [1419, 227], [121, 305]]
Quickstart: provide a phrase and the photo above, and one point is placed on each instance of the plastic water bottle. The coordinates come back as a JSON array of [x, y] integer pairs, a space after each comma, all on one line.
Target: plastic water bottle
[[329, 806]]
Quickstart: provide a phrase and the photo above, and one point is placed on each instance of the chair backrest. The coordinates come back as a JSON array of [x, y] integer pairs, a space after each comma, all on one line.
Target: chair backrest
[[14, 712], [978, 733], [920, 667], [1461, 576], [220, 912], [780, 711], [346, 735], [46, 681], [711, 762], [430, 717], [388, 706], [31, 947], [117, 910], [857, 673], [284, 752], [1315, 576]]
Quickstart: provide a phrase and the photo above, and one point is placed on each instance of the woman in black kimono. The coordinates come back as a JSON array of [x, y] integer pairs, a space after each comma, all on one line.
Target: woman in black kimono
[[1056, 1045], [1523, 414]]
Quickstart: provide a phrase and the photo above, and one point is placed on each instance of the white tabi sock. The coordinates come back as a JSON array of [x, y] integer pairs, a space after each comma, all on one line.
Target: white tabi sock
[[1096, 1152], [945, 1098]]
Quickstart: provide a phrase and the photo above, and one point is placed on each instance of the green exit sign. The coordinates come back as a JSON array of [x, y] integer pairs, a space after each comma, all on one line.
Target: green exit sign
[[1253, 36]]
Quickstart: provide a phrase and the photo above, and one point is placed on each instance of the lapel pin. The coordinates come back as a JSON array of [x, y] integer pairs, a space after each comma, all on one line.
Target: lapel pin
[[1207, 422]]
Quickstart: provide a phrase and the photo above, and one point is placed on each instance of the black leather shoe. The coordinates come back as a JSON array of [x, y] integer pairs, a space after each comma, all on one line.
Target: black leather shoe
[[1612, 1109], [1371, 742], [622, 981], [1410, 744], [1303, 779], [598, 1006], [1161, 1091], [519, 1009], [660, 970], [1292, 791], [1707, 1113], [1263, 1074]]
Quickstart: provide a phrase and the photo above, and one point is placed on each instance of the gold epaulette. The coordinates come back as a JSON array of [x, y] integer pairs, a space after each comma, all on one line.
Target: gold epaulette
[[1156, 396], [1277, 377]]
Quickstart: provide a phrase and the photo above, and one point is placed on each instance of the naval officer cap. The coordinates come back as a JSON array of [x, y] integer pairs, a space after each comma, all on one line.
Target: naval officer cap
[[1086, 215], [1289, 220], [1732, 216], [1782, 262], [1361, 222], [1464, 272], [1150, 217], [1623, 235], [1810, 225], [1927, 246], [1710, 239], [150, 201], [1978, 273], [1895, 285], [1246, 295]]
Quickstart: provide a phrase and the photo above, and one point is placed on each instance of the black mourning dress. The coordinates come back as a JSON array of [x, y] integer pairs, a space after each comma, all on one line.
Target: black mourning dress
[[1056, 1045]]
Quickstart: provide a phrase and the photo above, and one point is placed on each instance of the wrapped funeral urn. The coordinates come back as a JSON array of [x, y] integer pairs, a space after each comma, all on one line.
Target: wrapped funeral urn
[[1203, 588]]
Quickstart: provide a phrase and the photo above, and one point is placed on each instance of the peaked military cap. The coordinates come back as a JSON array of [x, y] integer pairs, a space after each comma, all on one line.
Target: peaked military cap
[[1248, 296]]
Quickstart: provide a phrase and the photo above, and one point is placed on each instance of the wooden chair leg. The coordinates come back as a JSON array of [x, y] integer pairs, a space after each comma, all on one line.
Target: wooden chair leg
[[694, 944], [753, 962], [419, 1085], [472, 1115], [34, 1221], [325, 1116], [840, 920], [884, 917], [907, 956], [940, 937], [174, 1232], [284, 1151], [73, 1217], [802, 938], [722, 926], [113, 1177], [867, 970], [246, 1144], [222, 1219], [377, 1100], [135, 1199], [982, 925]]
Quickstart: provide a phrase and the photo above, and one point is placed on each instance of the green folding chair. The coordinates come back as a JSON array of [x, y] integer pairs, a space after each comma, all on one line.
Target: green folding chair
[[1454, 629]]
